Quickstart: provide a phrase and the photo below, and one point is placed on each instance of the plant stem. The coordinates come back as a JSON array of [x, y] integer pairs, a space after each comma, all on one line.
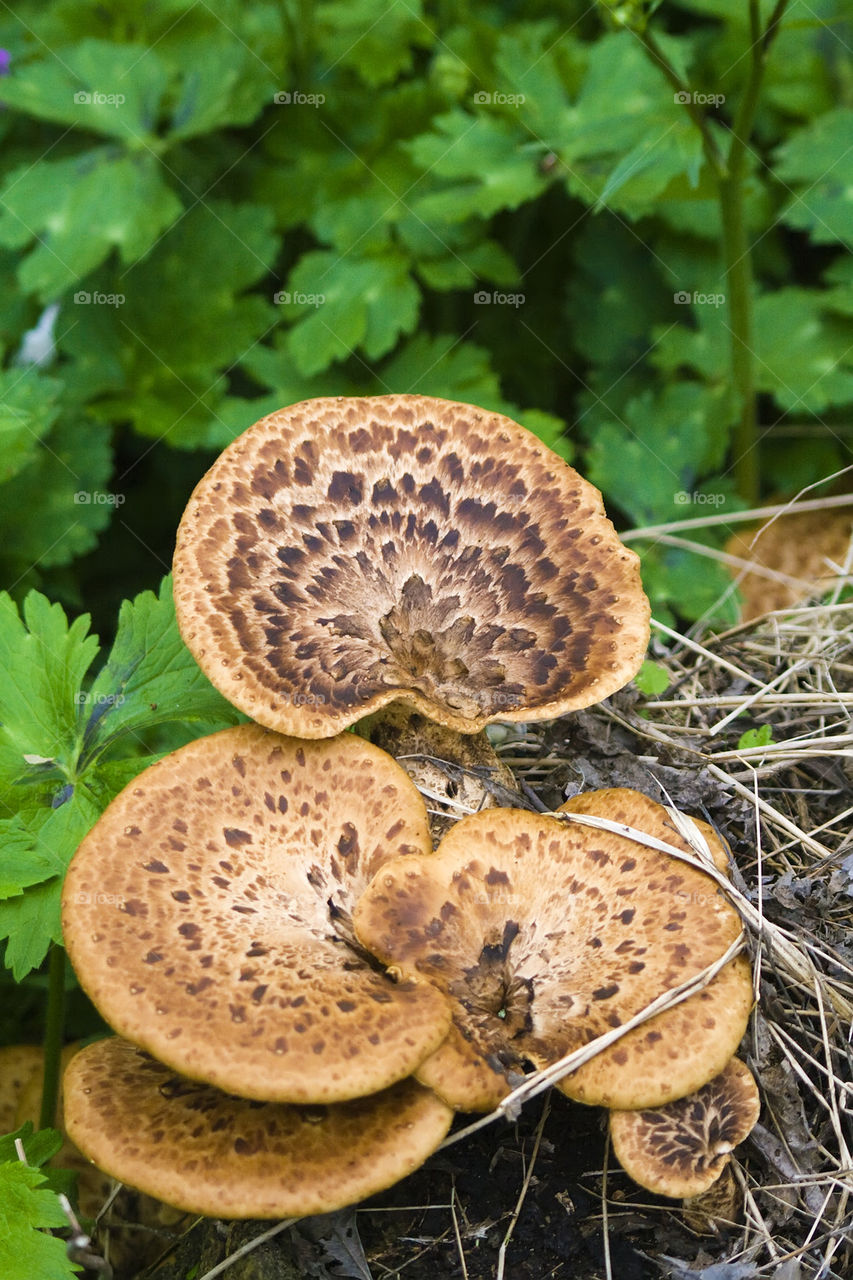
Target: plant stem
[[738, 259], [730, 173], [53, 1036]]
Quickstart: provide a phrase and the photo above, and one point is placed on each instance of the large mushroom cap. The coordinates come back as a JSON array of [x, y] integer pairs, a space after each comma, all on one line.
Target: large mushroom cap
[[547, 935], [681, 1149], [207, 914], [207, 1152], [346, 553]]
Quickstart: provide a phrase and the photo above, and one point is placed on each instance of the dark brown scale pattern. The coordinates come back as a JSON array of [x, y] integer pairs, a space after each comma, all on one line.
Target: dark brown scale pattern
[[345, 553], [521, 920], [681, 1149], [209, 1153], [212, 924]]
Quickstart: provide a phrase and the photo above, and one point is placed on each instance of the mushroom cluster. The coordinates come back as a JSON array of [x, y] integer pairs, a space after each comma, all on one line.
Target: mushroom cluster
[[304, 989]]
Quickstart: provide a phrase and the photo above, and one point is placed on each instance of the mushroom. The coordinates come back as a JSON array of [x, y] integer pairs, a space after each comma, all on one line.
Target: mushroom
[[18, 1064], [546, 935], [207, 1152], [681, 1149], [346, 553], [790, 560], [207, 915]]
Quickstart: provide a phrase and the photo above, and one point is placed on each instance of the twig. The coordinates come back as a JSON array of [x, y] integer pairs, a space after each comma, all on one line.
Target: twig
[[523, 1193], [249, 1247]]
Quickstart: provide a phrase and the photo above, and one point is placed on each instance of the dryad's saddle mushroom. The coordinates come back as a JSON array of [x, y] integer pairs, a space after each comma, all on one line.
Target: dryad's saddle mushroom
[[207, 914], [546, 935], [210, 1153], [681, 1149], [343, 554]]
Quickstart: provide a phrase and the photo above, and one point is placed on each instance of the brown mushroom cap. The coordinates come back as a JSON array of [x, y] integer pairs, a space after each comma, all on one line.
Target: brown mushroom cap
[[546, 935], [18, 1064], [635, 806], [207, 1152], [346, 553], [802, 546], [682, 1148], [207, 914]]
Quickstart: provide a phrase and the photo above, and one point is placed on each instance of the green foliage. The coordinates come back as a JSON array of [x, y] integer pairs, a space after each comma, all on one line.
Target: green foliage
[[761, 737], [68, 745], [266, 203], [651, 679], [29, 1208]]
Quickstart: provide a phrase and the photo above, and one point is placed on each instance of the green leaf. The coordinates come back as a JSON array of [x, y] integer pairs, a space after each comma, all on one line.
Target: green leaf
[[376, 44], [27, 1210], [175, 358], [352, 303], [224, 84], [22, 861], [804, 353], [28, 409], [652, 679], [79, 210], [44, 661], [31, 920], [761, 737], [150, 678], [95, 85], [65, 492], [485, 163], [39, 1147], [650, 460], [818, 160]]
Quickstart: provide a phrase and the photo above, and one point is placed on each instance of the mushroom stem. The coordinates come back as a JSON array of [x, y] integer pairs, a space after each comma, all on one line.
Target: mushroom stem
[[458, 772]]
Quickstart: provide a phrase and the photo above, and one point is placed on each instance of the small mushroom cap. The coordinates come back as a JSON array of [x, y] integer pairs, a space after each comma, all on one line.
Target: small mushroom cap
[[207, 915], [18, 1064], [207, 1152], [681, 1149], [546, 935], [801, 548], [343, 554]]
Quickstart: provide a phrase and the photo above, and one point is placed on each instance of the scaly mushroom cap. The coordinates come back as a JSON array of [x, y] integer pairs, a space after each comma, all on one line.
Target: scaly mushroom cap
[[207, 914], [546, 935], [18, 1064], [207, 1152], [681, 1149], [343, 554], [801, 548]]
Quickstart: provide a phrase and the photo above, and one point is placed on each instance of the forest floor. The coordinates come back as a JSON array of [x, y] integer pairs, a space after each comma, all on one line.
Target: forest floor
[[540, 1197]]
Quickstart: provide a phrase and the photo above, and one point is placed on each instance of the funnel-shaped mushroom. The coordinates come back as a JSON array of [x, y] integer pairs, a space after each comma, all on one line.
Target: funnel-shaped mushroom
[[343, 554], [207, 1152], [207, 914], [681, 1149], [547, 935]]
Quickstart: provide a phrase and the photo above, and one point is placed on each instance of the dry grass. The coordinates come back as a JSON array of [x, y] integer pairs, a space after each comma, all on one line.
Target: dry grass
[[786, 813]]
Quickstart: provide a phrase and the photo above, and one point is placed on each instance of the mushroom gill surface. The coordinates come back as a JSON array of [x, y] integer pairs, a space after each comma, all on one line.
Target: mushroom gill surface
[[346, 553]]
